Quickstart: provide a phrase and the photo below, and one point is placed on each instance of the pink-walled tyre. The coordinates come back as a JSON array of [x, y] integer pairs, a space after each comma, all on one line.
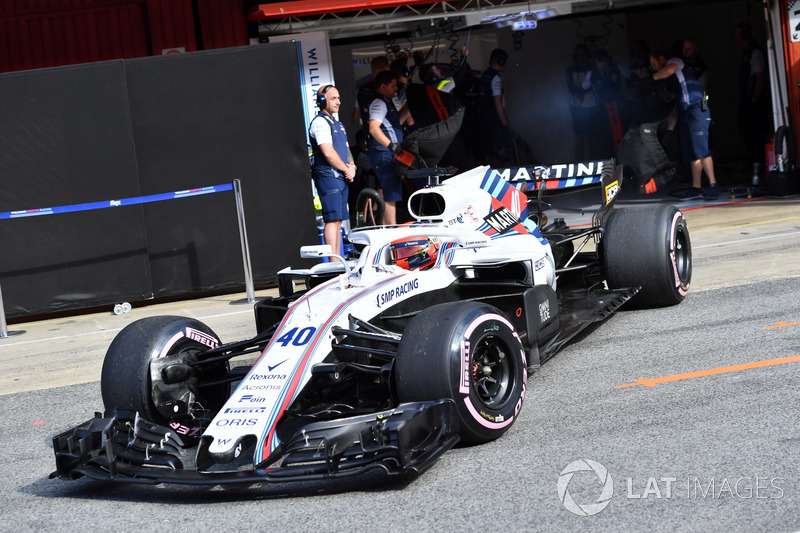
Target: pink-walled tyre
[[470, 353], [648, 247], [152, 368]]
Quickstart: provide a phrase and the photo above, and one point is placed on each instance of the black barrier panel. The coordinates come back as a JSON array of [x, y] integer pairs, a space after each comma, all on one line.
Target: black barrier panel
[[212, 117], [65, 137], [127, 128]]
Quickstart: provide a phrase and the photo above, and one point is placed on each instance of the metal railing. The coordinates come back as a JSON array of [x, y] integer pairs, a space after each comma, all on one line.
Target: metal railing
[[234, 186]]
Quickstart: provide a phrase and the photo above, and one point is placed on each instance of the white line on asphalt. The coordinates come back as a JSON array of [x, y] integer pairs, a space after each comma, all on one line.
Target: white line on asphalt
[[744, 240], [48, 339]]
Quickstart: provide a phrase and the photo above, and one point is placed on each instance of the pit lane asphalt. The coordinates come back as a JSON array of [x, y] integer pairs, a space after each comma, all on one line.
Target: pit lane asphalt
[[698, 448]]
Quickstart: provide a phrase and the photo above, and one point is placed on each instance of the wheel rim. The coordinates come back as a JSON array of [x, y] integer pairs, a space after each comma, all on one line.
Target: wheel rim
[[683, 261], [187, 402], [492, 371], [176, 400]]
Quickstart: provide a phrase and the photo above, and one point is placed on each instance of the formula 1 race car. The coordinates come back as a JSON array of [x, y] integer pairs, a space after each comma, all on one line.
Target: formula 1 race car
[[425, 337]]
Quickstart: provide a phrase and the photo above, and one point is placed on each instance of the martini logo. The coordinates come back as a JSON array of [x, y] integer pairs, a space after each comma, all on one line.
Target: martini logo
[[501, 220]]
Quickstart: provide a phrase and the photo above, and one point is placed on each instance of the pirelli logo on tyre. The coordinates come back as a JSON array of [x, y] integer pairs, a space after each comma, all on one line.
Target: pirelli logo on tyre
[[466, 368]]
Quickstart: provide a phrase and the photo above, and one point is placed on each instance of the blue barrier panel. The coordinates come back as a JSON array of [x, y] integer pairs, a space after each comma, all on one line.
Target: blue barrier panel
[[116, 203]]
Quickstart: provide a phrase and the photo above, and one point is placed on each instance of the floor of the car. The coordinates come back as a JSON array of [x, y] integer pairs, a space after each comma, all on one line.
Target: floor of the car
[[579, 309]]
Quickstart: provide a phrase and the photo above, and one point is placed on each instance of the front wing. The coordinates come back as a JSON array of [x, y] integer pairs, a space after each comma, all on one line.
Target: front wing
[[121, 446]]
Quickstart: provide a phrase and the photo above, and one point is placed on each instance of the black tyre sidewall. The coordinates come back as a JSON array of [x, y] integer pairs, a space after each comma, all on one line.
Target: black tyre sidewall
[[648, 248], [126, 381], [434, 361], [379, 205]]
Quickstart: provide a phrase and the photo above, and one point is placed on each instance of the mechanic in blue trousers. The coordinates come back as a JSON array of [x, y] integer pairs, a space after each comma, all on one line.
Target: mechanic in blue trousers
[[694, 122], [387, 134], [333, 167]]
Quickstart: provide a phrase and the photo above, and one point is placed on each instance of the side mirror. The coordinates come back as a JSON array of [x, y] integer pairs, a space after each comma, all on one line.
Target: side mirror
[[313, 252], [324, 250]]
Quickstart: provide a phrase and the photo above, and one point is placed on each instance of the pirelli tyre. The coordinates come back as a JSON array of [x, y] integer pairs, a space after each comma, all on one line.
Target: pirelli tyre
[[648, 247], [470, 353], [151, 368]]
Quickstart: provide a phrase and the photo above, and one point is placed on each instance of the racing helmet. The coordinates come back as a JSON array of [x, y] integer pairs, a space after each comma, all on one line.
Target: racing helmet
[[414, 253]]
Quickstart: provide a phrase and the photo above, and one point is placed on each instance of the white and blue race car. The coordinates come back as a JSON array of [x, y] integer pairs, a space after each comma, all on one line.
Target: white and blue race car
[[424, 338]]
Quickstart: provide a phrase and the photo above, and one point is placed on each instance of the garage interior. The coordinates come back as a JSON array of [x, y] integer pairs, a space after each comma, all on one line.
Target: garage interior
[[56, 39]]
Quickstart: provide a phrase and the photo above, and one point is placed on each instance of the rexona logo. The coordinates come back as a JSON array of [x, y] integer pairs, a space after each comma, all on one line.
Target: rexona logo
[[261, 377], [501, 220]]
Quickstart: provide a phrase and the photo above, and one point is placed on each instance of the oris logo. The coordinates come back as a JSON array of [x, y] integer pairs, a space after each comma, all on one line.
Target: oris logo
[[236, 422]]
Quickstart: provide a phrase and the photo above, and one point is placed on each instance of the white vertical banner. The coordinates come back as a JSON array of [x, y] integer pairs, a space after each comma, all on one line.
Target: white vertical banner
[[316, 69]]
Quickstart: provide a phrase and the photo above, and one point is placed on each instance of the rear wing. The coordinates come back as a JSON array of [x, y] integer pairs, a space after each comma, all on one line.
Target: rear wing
[[539, 181]]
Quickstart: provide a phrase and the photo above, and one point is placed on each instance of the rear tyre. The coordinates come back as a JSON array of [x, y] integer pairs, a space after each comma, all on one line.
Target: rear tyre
[[648, 248], [148, 369], [470, 353], [370, 208]]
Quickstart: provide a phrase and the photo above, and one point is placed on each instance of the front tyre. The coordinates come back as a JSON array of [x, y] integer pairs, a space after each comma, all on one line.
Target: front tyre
[[649, 248], [151, 368], [470, 353]]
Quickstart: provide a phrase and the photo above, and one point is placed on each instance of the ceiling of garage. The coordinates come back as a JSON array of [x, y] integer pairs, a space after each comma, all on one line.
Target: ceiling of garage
[[358, 18]]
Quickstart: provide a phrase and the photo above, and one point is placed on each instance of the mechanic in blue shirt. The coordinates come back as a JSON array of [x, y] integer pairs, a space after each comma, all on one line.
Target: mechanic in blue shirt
[[387, 134], [494, 122], [582, 102], [333, 167], [695, 120]]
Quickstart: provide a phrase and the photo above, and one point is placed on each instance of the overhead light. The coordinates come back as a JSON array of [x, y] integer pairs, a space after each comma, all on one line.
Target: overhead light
[[524, 24], [525, 20], [506, 15]]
